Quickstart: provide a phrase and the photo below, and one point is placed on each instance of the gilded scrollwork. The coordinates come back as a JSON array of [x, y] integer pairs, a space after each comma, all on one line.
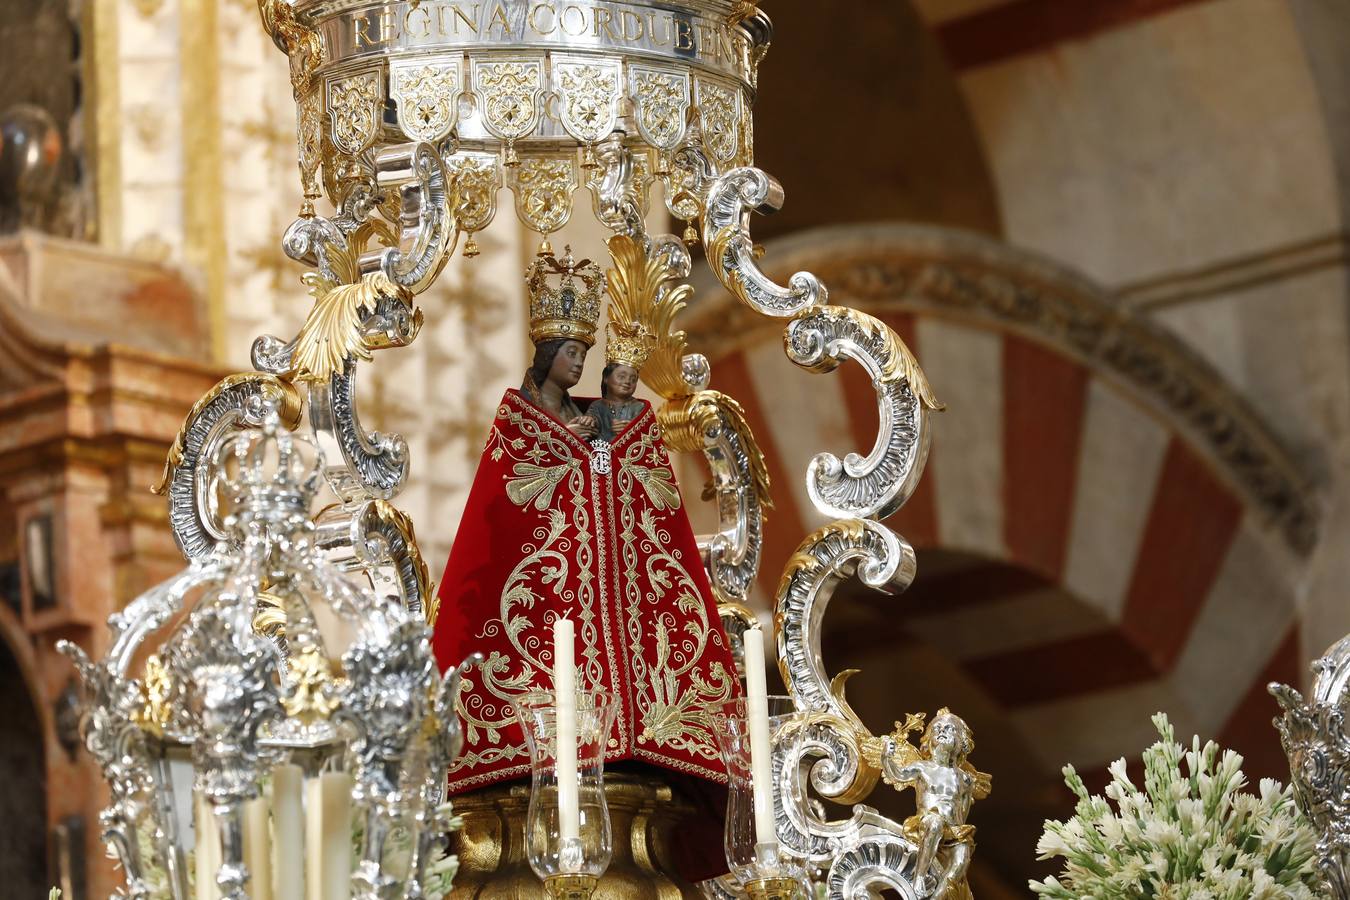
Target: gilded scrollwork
[[335, 331], [427, 93], [588, 95], [879, 484], [661, 103], [731, 251], [303, 46], [354, 103], [477, 177], [544, 187], [720, 118]]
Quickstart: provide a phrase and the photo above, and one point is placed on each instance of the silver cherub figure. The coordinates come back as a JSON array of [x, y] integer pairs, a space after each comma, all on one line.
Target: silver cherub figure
[[945, 786]]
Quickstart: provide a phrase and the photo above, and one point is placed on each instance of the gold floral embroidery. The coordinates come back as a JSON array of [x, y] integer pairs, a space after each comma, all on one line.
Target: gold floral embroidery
[[669, 717], [544, 565], [659, 612]]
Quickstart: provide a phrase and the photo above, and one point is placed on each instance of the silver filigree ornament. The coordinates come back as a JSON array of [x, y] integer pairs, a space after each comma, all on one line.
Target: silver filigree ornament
[[1314, 738], [223, 700], [824, 751]]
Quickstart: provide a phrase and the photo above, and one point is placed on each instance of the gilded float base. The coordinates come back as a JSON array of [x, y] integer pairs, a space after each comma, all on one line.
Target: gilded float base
[[644, 811], [772, 888], [570, 887]]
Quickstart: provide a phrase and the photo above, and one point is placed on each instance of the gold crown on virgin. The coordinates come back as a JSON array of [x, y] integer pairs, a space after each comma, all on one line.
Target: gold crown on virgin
[[564, 298]]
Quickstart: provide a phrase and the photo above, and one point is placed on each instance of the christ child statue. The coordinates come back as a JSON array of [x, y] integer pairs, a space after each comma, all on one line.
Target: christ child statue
[[616, 408]]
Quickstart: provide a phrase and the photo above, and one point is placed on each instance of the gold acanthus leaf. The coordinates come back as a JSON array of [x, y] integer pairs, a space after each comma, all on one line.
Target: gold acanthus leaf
[[904, 365], [899, 362], [332, 332], [643, 298]]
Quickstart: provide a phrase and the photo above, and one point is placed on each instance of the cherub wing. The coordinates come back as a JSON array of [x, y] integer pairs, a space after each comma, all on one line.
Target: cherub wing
[[984, 782]]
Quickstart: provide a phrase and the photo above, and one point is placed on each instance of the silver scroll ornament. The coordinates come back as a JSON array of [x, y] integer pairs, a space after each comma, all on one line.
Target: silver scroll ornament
[[1313, 733]]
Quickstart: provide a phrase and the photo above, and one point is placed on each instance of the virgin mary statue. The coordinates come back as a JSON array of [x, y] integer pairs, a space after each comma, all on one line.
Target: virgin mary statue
[[560, 523]]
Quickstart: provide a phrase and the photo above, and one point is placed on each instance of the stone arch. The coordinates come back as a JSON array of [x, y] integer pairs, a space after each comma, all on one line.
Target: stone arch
[[1084, 448]]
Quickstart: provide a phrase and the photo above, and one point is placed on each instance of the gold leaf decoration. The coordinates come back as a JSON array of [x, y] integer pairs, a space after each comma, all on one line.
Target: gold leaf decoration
[[685, 420], [643, 306], [332, 333]]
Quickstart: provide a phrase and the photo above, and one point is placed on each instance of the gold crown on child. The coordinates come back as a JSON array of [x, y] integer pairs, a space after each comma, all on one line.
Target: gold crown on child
[[564, 298]]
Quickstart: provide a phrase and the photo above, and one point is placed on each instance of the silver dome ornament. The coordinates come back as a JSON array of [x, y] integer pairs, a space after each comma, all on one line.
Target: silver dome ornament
[[273, 658]]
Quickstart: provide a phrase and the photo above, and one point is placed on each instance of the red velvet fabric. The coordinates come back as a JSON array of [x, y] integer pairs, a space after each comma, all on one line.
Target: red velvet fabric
[[546, 532]]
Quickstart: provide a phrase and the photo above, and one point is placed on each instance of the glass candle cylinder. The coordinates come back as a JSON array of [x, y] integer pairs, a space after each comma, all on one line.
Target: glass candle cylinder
[[754, 858], [550, 853]]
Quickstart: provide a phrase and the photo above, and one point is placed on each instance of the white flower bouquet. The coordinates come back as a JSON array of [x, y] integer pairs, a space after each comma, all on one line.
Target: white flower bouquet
[[1188, 835]]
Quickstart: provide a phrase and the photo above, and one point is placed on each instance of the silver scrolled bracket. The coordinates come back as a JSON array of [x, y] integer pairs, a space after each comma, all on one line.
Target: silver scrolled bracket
[[731, 252], [427, 230], [881, 559], [871, 864], [825, 747], [618, 196], [377, 538], [375, 465], [874, 486], [714, 424], [236, 402]]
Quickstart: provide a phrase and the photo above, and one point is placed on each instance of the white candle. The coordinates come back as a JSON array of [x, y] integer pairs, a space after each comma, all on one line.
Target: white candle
[[565, 713], [328, 836], [288, 832], [206, 849], [257, 849], [761, 755]]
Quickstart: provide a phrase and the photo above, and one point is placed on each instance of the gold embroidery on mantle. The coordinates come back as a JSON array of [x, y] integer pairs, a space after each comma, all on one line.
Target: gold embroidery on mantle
[[658, 613], [544, 564], [669, 717]]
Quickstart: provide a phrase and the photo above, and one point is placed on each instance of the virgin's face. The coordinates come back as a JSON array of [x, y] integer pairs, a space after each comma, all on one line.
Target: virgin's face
[[622, 382], [566, 369]]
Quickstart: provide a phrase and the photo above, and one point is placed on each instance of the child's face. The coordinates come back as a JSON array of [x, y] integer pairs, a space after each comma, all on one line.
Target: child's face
[[622, 382]]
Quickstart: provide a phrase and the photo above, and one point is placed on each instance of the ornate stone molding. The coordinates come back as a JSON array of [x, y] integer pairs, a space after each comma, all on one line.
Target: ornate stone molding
[[927, 269]]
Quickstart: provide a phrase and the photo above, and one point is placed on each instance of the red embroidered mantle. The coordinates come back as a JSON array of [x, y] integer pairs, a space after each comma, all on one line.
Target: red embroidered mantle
[[550, 530]]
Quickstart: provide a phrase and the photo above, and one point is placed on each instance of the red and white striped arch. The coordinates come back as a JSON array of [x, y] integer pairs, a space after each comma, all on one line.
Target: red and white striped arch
[[1128, 571]]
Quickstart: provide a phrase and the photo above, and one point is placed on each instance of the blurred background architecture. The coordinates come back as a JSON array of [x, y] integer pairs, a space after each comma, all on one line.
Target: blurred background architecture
[[1114, 232]]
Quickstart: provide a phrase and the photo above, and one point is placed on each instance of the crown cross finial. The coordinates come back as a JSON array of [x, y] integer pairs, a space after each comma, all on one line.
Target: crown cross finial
[[274, 475], [564, 298]]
